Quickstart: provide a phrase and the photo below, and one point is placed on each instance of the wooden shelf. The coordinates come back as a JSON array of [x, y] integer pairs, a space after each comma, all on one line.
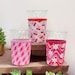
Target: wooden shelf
[[37, 67], [38, 49]]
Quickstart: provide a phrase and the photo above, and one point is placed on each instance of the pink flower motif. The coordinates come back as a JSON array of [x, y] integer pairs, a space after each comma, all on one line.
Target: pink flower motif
[[50, 53], [54, 60], [55, 46]]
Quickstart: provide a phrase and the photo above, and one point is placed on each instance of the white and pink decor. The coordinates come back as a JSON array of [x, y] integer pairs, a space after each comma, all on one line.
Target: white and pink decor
[[37, 28], [55, 49], [37, 21], [20, 51]]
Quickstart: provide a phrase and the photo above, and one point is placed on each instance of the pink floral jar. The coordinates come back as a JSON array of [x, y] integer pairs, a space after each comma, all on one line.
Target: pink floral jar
[[55, 48]]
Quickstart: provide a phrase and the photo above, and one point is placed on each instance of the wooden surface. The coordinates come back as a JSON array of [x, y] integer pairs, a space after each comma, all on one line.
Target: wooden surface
[[38, 49], [33, 74], [37, 67]]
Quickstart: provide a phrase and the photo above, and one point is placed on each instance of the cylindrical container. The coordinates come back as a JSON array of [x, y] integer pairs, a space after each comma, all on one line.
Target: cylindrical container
[[20, 51], [55, 48], [37, 26]]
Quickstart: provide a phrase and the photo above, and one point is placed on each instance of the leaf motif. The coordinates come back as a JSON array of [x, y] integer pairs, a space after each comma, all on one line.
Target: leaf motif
[[51, 73], [29, 72], [16, 72], [59, 73], [2, 36]]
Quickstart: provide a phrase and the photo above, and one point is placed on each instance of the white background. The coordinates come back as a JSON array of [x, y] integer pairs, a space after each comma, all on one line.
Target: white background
[[61, 17]]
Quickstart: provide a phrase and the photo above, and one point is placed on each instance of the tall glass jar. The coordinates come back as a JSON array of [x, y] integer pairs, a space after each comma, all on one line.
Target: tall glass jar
[[55, 48], [37, 22], [20, 48]]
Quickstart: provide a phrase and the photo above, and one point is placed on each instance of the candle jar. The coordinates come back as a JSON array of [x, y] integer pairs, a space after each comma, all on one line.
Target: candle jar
[[55, 48], [37, 22], [20, 50]]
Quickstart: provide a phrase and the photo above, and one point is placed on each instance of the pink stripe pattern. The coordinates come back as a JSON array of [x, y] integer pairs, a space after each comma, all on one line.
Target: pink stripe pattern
[[21, 51], [37, 30]]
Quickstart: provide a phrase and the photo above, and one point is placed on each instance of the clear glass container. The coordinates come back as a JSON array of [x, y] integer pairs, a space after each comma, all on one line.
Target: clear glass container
[[20, 48], [55, 48], [37, 21]]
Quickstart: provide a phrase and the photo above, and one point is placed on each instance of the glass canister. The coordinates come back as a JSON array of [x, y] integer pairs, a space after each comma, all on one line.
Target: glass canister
[[37, 22], [37, 26], [55, 48], [20, 49]]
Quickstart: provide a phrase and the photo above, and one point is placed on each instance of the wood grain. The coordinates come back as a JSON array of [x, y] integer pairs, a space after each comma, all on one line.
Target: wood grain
[[39, 50], [37, 67]]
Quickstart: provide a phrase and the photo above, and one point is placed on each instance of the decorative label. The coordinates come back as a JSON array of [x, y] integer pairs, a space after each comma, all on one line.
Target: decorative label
[[37, 30], [21, 51], [55, 50]]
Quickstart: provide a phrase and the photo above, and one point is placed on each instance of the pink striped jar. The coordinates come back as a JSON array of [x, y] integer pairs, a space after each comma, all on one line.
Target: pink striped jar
[[20, 51], [37, 22]]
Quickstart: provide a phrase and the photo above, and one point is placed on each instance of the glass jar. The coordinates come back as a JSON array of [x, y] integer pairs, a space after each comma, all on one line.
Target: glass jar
[[55, 48], [20, 48], [37, 22]]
